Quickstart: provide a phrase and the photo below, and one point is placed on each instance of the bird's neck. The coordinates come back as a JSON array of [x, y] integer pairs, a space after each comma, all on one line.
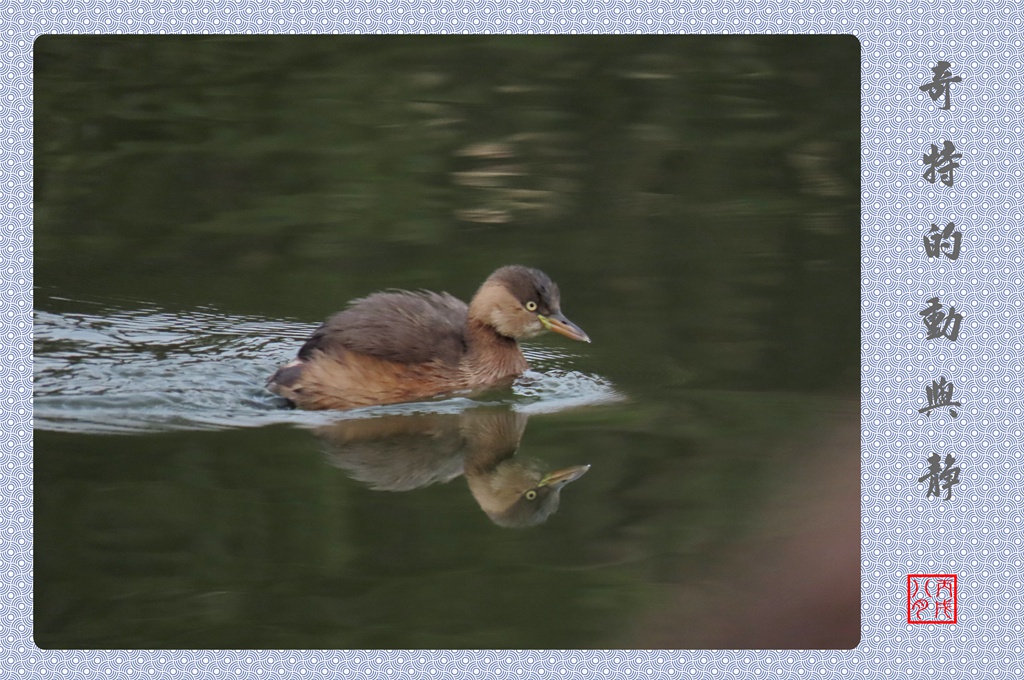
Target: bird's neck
[[491, 356]]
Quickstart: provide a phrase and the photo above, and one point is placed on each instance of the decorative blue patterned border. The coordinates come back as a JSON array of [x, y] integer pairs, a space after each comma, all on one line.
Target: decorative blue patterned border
[[979, 535]]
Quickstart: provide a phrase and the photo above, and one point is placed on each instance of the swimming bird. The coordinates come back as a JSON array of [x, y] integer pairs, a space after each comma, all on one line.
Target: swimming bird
[[398, 346]]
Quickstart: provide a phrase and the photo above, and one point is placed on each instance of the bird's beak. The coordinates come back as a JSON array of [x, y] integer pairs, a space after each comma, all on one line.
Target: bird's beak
[[559, 324], [560, 478]]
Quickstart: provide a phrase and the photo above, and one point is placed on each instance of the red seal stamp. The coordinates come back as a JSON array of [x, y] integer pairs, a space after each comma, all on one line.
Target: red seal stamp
[[931, 598]]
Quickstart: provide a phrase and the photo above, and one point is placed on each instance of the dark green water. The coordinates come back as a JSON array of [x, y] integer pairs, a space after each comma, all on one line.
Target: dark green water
[[202, 203]]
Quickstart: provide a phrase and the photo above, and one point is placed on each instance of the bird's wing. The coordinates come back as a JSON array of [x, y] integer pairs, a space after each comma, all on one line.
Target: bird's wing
[[399, 326]]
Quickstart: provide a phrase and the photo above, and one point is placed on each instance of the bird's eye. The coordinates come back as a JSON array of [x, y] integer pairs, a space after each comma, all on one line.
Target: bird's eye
[[531, 494], [531, 306]]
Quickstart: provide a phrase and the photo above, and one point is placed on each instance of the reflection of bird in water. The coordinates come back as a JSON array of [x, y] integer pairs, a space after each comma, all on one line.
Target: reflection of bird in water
[[403, 346], [401, 453]]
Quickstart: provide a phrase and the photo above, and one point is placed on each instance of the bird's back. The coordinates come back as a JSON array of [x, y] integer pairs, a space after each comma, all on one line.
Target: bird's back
[[399, 326]]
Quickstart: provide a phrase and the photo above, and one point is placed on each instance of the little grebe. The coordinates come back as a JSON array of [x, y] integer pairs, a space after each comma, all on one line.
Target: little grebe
[[403, 346]]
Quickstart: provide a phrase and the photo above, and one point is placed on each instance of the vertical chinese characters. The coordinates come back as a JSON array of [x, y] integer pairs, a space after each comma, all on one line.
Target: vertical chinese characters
[[941, 165]]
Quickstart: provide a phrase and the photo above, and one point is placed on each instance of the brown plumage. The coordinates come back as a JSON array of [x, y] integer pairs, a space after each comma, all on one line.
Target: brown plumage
[[403, 346]]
